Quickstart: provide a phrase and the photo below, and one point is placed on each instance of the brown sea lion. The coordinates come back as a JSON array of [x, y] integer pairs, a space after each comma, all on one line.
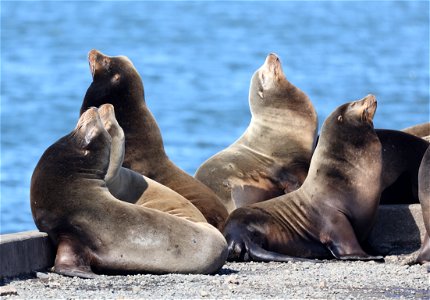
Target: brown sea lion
[[335, 207], [116, 81], [273, 154], [401, 156], [424, 195], [420, 130], [97, 233], [130, 186]]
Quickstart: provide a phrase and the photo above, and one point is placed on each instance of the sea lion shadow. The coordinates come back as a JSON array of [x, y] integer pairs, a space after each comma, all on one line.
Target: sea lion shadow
[[396, 230], [226, 271]]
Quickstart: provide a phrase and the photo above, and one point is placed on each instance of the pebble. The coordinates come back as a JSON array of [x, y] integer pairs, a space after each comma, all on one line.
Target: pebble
[[8, 290]]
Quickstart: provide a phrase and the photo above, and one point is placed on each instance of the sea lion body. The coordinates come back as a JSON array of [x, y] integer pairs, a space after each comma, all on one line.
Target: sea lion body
[[272, 156], [335, 207], [420, 130], [116, 81], [424, 196], [94, 231], [401, 156]]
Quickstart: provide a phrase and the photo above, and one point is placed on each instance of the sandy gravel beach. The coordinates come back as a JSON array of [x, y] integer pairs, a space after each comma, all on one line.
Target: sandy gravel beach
[[324, 280]]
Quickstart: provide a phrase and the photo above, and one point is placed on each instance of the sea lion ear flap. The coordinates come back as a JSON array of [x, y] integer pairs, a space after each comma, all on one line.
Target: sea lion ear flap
[[340, 118]]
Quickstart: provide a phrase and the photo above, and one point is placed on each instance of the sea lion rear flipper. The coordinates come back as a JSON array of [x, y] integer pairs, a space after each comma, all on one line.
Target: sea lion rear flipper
[[70, 261], [343, 243]]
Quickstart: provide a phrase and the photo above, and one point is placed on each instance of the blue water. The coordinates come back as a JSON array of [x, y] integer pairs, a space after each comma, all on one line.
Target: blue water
[[196, 60]]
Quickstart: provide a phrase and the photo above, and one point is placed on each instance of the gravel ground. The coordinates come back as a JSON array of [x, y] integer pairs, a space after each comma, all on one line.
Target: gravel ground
[[328, 279]]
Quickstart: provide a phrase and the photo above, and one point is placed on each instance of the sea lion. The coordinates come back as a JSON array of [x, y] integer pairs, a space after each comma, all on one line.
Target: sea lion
[[401, 156], [420, 130], [130, 186], [273, 154], [116, 81], [424, 195], [97, 233], [335, 207]]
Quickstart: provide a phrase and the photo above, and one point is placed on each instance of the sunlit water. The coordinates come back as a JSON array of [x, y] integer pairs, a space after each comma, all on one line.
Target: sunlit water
[[196, 60]]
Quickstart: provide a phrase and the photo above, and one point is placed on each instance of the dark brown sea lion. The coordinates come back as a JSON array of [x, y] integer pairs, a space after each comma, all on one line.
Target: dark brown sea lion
[[116, 81], [130, 186], [273, 154], [401, 156], [335, 207], [97, 233], [424, 195]]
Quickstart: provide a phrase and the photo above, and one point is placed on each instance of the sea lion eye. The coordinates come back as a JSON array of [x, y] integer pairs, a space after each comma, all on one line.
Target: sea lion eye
[[115, 78]]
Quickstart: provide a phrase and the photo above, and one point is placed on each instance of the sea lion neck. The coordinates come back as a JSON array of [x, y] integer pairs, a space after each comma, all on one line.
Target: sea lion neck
[[140, 125], [287, 114]]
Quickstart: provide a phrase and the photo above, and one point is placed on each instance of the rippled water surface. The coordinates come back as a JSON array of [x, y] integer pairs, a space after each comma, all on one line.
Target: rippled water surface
[[196, 60]]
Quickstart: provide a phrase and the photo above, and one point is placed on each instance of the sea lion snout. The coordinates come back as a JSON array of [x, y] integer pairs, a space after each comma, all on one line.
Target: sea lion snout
[[89, 117], [369, 107], [273, 64], [106, 111], [273, 57], [96, 60], [107, 116]]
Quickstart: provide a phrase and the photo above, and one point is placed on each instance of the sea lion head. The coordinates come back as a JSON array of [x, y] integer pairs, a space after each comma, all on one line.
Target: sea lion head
[[107, 116], [270, 90], [358, 113], [269, 81], [350, 126], [113, 77], [92, 140]]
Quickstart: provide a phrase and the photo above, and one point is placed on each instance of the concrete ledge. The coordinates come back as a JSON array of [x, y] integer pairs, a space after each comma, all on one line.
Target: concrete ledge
[[399, 229], [25, 252]]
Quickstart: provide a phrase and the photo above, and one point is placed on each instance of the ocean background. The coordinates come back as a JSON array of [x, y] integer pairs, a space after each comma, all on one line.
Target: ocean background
[[196, 60]]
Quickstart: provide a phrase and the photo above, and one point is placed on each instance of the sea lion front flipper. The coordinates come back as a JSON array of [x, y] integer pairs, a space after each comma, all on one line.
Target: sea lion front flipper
[[71, 261], [243, 195], [245, 249], [257, 253], [343, 244], [424, 254]]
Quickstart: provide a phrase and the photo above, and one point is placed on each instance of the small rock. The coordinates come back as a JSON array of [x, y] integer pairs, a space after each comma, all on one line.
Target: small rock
[[8, 290], [232, 279], [204, 293]]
